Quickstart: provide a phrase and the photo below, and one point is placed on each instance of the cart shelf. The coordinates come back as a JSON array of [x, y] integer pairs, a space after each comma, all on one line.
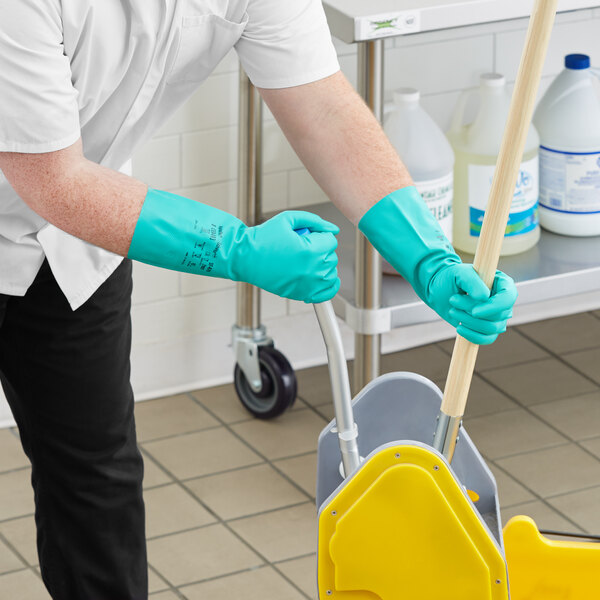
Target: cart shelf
[[357, 21], [557, 267]]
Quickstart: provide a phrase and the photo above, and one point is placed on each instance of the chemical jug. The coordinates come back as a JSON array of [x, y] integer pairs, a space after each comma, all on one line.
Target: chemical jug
[[425, 151], [568, 121], [476, 148]]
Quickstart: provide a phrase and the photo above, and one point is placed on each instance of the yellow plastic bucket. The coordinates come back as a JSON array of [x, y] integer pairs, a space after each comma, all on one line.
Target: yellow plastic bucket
[[544, 569]]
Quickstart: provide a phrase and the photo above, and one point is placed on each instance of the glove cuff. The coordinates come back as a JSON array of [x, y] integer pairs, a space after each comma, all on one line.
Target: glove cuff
[[407, 235]]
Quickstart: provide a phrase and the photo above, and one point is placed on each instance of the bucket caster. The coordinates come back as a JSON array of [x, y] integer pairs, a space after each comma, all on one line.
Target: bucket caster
[[264, 380]]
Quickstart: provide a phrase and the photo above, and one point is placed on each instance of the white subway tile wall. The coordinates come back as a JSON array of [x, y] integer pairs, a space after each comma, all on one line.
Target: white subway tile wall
[[195, 154]]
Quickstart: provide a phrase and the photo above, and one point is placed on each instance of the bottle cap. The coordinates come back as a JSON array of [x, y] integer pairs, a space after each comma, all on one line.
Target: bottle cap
[[493, 80], [577, 61], [406, 95]]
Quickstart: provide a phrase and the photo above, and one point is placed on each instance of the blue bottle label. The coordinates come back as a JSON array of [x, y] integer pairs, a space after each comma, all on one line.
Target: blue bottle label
[[524, 211]]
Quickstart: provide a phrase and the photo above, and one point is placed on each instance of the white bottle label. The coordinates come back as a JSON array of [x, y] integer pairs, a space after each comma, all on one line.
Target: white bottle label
[[524, 213], [438, 194], [570, 182]]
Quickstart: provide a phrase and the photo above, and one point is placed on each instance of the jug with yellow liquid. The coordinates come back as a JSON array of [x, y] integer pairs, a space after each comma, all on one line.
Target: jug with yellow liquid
[[476, 147]]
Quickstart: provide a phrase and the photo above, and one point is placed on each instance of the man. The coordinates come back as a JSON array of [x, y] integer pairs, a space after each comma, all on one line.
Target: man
[[82, 84]]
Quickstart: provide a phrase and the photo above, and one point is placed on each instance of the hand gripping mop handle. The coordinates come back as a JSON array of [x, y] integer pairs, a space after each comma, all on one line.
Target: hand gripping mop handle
[[496, 214], [340, 383]]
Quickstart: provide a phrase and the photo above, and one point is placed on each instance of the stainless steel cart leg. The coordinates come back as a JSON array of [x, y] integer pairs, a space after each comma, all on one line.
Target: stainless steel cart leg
[[248, 333], [368, 262], [264, 379]]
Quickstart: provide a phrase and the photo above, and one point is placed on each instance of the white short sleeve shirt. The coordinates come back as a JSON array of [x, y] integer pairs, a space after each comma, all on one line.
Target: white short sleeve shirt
[[111, 72]]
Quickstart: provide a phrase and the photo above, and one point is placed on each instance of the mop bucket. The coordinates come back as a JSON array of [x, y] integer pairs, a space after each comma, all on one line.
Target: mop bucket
[[396, 520]]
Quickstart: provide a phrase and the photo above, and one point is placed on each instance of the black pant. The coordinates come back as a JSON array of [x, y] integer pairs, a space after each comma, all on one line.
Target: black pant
[[66, 377]]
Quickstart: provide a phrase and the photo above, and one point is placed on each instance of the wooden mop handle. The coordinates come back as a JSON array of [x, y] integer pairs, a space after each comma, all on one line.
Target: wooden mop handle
[[501, 195]]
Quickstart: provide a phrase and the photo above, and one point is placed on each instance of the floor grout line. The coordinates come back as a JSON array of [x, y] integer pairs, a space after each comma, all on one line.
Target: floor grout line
[[171, 587], [265, 459], [561, 359], [536, 496], [218, 519]]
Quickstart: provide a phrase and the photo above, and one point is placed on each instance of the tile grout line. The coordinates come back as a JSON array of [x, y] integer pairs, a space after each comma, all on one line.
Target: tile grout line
[[262, 456], [526, 453], [170, 587], [217, 577], [535, 495], [528, 410], [562, 434], [178, 435], [16, 518], [219, 520], [561, 359], [14, 550]]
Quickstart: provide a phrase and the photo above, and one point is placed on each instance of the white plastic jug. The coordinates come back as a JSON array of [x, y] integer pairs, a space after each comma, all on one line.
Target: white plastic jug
[[568, 121], [476, 148], [425, 151]]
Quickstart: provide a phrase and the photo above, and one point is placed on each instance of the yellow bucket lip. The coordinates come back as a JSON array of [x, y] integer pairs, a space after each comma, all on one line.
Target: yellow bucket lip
[[541, 568]]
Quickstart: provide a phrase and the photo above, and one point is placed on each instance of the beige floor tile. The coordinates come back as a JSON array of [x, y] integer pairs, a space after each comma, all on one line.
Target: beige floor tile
[[510, 348], [223, 402], [303, 572], [245, 491], [587, 361], [314, 385], [171, 508], [581, 507], [544, 516], [510, 432], [21, 534], [25, 585], [302, 470], [281, 534], [153, 474], [510, 491], [578, 417], [540, 381], [483, 398], [429, 361], [170, 416], [164, 596], [9, 561], [16, 494], [565, 334], [202, 453], [155, 582], [593, 446], [204, 553], [326, 411], [290, 434], [11, 452], [261, 584], [554, 471]]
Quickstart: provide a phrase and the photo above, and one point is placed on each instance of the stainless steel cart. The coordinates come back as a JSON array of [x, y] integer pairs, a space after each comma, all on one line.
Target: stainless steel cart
[[371, 305]]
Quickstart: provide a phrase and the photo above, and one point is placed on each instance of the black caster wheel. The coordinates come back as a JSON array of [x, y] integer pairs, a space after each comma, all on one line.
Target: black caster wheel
[[279, 385]]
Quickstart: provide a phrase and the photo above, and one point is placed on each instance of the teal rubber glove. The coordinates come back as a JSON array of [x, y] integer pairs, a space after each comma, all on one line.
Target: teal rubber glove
[[183, 235], [406, 234]]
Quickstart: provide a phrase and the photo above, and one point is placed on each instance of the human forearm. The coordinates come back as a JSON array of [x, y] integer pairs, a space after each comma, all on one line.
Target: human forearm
[[344, 148], [341, 143], [91, 202], [124, 216]]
